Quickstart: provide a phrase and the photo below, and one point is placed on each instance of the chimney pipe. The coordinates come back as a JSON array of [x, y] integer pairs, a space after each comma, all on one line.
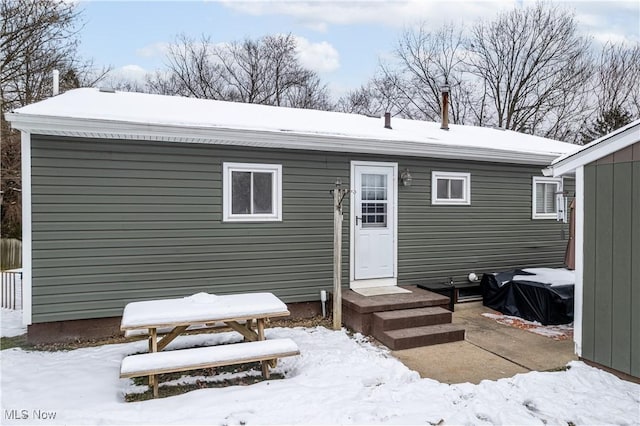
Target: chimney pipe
[[445, 106], [56, 82], [387, 120]]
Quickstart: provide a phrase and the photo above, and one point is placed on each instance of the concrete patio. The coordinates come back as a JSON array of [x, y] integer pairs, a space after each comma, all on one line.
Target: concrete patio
[[490, 351]]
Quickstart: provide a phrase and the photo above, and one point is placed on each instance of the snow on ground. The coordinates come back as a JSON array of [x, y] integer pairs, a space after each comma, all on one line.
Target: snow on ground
[[11, 322], [337, 379]]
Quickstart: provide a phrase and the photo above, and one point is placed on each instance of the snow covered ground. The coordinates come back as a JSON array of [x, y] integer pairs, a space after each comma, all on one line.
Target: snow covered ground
[[337, 379], [11, 320]]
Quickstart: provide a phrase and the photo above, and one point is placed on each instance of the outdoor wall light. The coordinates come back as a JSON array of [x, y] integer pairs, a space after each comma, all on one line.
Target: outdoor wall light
[[405, 177]]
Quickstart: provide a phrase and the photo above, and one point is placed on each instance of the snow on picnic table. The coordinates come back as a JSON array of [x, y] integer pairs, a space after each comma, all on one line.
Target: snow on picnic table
[[201, 307], [337, 379]]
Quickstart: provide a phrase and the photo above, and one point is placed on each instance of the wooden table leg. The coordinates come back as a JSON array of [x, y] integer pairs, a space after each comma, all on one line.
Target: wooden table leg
[[260, 322], [153, 347], [265, 364]]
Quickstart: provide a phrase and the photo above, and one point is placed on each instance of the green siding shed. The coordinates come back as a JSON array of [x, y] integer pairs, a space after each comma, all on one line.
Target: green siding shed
[[608, 182]]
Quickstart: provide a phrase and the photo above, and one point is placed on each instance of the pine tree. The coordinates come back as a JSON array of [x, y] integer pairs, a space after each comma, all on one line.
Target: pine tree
[[607, 122]]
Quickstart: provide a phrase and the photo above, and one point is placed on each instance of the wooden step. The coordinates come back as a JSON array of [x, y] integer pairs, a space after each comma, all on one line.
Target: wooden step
[[407, 318], [406, 338]]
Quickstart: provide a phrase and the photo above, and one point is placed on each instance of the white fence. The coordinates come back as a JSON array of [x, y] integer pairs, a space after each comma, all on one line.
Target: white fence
[[11, 289]]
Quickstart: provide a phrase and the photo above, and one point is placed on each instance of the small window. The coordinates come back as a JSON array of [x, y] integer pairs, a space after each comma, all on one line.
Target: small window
[[252, 192], [450, 188], [545, 199]]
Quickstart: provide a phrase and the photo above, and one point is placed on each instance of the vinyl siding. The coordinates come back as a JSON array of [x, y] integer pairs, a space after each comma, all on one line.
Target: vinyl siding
[[611, 324], [117, 221]]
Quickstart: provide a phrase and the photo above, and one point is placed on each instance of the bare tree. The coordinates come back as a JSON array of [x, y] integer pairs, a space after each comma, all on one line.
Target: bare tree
[[410, 84], [535, 67], [617, 79], [426, 61], [34, 35], [264, 71], [37, 36], [383, 93]]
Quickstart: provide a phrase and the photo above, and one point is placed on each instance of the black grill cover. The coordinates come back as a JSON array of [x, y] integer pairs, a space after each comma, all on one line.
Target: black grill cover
[[531, 300]]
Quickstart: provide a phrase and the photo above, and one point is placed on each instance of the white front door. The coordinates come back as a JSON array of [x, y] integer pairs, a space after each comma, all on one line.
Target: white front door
[[373, 221]]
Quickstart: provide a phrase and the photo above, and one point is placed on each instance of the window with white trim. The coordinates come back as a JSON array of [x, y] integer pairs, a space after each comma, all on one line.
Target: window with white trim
[[251, 192], [450, 188], [545, 197]]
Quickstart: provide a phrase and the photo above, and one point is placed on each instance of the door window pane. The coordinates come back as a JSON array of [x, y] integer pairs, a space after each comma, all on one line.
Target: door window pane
[[374, 215], [374, 187], [374, 200]]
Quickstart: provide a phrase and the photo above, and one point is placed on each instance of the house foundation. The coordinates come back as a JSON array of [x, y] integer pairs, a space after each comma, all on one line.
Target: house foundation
[[103, 328]]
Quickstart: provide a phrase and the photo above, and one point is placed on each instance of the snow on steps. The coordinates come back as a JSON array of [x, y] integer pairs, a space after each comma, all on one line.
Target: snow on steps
[[206, 357]]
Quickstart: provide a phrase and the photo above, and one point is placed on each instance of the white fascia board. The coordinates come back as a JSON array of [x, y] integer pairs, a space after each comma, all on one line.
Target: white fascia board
[[601, 148], [92, 128], [578, 307], [25, 154]]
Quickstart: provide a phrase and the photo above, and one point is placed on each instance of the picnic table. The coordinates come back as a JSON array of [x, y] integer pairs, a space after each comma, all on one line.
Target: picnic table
[[238, 311]]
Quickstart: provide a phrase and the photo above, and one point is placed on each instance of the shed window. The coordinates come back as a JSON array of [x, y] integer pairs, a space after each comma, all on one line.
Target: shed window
[[545, 197], [252, 192], [450, 188]]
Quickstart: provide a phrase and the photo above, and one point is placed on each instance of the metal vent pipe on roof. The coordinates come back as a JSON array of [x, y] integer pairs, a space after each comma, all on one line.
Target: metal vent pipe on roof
[[445, 106], [56, 83], [387, 120]]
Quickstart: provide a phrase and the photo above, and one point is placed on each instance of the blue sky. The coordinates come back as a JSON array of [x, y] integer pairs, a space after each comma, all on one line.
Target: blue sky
[[342, 40]]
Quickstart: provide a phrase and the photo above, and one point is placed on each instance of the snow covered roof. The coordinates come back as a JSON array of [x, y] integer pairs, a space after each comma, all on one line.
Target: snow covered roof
[[121, 115], [606, 145]]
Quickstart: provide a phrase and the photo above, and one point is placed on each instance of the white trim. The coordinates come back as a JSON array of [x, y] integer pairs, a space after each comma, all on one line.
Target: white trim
[[579, 271], [352, 218], [466, 189], [597, 149], [540, 179], [27, 276], [276, 192], [109, 129]]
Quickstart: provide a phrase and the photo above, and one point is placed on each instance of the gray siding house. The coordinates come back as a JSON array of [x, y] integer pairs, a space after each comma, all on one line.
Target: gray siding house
[[607, 293], [130, 196]]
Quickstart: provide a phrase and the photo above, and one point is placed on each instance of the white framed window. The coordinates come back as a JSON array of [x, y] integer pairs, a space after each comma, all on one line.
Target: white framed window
[[450, 188], [251, 192], [545, 199]]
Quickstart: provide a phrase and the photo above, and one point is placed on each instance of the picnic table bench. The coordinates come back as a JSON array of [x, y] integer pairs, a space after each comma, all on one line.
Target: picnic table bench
[[238, 311]]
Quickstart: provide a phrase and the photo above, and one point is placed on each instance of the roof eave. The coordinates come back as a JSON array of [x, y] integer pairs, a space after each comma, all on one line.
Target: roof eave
[[112, 129], [602, 147]]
